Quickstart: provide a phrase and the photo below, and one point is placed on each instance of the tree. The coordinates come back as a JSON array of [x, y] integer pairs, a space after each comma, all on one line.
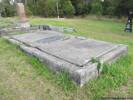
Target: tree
[[78, 5], [117, 7], [48, 8], [6, 8], [68, 9], [124, 7], [96, 7]]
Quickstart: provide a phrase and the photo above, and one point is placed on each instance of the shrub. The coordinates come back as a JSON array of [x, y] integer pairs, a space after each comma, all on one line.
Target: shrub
[[6, 9], [96, 7], [68, 8], [28, 12]]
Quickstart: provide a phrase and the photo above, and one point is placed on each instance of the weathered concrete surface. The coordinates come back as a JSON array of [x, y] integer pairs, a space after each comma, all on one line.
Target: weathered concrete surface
[[69, 53]]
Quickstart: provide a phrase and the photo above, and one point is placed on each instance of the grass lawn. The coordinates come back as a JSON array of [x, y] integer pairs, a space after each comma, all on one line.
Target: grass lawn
[[25, 78]]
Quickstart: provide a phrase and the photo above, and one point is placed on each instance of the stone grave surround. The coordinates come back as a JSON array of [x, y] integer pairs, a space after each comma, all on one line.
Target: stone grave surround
[[52, 28], [21, 13], [69, 53]]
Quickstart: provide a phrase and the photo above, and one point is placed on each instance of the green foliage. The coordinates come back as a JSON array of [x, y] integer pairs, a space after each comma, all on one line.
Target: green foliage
[[110, 11], [64, 81], [6, 9], [5, 23], [112, 76], [50, 8], [86, 8], [96, 7], [44, 8], [109, 7], [68, 8], [123, 7], [81, 7], [28, 12], [99, 65], [117, 7]]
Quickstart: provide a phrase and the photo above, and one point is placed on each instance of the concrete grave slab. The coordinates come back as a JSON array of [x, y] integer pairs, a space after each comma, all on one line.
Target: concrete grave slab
[[70, 53]]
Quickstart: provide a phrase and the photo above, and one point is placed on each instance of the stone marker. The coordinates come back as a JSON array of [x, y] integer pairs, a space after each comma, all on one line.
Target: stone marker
[[69, 53], [21, 13], [129, 22]]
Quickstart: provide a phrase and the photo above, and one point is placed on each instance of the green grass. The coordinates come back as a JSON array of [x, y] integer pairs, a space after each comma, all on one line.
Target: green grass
[[5, 22], [23, 77]]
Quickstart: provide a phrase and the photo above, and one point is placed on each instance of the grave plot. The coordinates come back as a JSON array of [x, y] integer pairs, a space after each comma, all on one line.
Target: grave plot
[[69, 53]]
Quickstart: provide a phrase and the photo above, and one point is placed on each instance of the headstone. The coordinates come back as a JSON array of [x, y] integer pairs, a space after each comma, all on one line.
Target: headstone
[[129, 23], [21, 13]]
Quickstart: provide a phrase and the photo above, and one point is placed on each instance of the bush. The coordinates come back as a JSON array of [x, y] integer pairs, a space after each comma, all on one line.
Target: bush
[[28, 12], [80, 6], [6, 9], [110, 10], [68, 8], [96, 7], [50, 8], [87, 8]]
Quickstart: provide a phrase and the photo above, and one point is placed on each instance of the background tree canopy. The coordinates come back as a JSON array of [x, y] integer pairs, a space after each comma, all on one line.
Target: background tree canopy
[[68, 8]]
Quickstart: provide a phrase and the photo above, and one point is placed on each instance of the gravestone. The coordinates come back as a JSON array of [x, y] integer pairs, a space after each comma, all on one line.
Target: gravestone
[[69, 53], [129, 22], [23, 23]]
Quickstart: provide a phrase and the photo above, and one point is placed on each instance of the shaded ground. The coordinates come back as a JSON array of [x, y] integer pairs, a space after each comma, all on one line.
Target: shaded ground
[[25, 78]]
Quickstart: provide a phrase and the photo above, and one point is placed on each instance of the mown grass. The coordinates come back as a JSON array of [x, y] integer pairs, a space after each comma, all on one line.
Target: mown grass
[[5, 22], [113, 76], [20, 73]]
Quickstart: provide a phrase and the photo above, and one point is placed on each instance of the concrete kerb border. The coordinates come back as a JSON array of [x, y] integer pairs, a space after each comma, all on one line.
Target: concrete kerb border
[[80, 75], [77, 74]]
